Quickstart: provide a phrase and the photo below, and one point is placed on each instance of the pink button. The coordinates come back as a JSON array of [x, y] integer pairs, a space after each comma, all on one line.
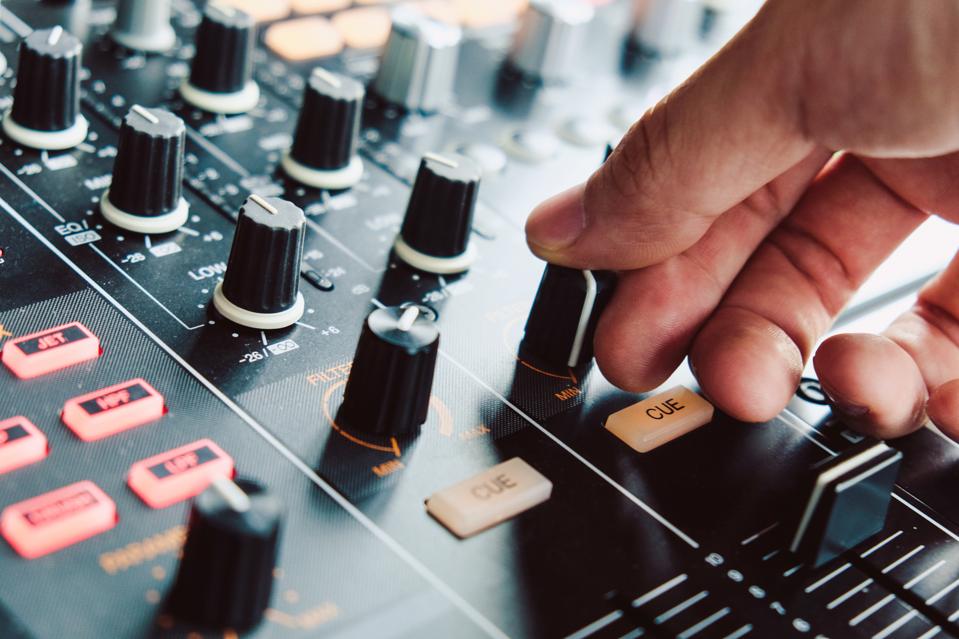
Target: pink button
[[178, 474], [57, 519], [21, 443], [111, 410], [46, 351]]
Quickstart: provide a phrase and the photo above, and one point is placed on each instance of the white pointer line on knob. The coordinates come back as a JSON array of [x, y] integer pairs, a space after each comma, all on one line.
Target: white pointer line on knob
[[327, 77], [143, 113], [436, 157], [266, 206], [232, 494], [55, 34], [408, 318], [588, 302]]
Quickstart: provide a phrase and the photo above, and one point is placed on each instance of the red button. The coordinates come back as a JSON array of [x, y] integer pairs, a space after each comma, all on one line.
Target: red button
[[21, 443], [57, 519], [178, 474], [113, 409], [46, 351]]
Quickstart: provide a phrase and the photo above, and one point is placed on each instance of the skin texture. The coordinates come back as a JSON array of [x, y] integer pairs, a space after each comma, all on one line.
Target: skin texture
[[746, 208]]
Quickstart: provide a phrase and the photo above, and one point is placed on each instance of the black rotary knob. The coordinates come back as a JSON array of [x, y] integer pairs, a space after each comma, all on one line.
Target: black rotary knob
[[225, 578], [221, 76], [145, 195], [323, 154], [388, 391], [435, 236], [560, 328], [261, 286], [46, 100]]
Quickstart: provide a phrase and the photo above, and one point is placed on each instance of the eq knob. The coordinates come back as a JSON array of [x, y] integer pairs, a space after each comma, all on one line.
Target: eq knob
[[388, 390], [549, 36], [561, 324], [665, 28], [418, 67], [261, 287], [221, 76], [144, 25], [46, 100], [435, 235], [145, 195], [323, 154], [225, 578]]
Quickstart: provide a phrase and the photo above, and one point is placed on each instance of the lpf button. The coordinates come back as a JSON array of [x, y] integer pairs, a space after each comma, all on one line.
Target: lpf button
[[21, 443], [46, 351], [178, 474], [113, 409], [493, 496], [57, 519]]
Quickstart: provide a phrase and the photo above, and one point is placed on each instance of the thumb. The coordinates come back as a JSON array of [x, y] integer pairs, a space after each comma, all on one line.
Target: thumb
[[719, 137]]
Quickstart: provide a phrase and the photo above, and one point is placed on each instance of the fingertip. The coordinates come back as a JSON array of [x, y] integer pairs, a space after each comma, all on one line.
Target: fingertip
[[746, 366], [556, 224], [873, 385], [943, 408]]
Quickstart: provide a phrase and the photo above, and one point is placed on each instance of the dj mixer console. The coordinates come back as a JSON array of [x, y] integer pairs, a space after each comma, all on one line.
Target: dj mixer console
[[278, 363]]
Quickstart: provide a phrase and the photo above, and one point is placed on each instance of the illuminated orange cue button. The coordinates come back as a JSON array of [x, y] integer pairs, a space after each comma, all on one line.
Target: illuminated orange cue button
[[304, 39], [179, 474], [363, 27], [21, 443], [49, 350], [489, 498], [659, 419], [113, 409], [319, 6], [57, 519]]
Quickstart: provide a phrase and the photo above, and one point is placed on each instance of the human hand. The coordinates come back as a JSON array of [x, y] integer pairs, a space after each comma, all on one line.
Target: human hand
[[741, 235]]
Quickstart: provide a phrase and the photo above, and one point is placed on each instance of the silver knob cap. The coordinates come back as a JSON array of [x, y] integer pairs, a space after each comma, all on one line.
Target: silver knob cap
[[666, 28], [144, 25], [418, 67], [548, 37]]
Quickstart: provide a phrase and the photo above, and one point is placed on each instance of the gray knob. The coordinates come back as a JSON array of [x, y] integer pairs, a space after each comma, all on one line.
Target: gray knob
[[418, 67], [144, 25], [666, 28], [548, 38]]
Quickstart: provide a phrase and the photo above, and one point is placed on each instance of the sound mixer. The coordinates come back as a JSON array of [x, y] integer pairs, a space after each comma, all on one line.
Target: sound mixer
[[261, 288], [418, 67], [225, 578], [388, 391], [323, 154], [221, 76], [46, 100], [145, 195], [435, 236], [144, 25]]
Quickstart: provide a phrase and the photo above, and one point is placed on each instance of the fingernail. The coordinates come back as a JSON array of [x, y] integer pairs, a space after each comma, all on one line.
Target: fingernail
[[841, 406], [557, 223]]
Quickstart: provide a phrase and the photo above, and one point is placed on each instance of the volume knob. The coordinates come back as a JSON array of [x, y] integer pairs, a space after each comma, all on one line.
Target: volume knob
[[323, 154], [388, 391], [221, 76], [46, 100], [667, 27], [435, 236], [261, 286], [225, 578], [145, 195], [561, 324], [144, 25], [418, 67], [548, 38]]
